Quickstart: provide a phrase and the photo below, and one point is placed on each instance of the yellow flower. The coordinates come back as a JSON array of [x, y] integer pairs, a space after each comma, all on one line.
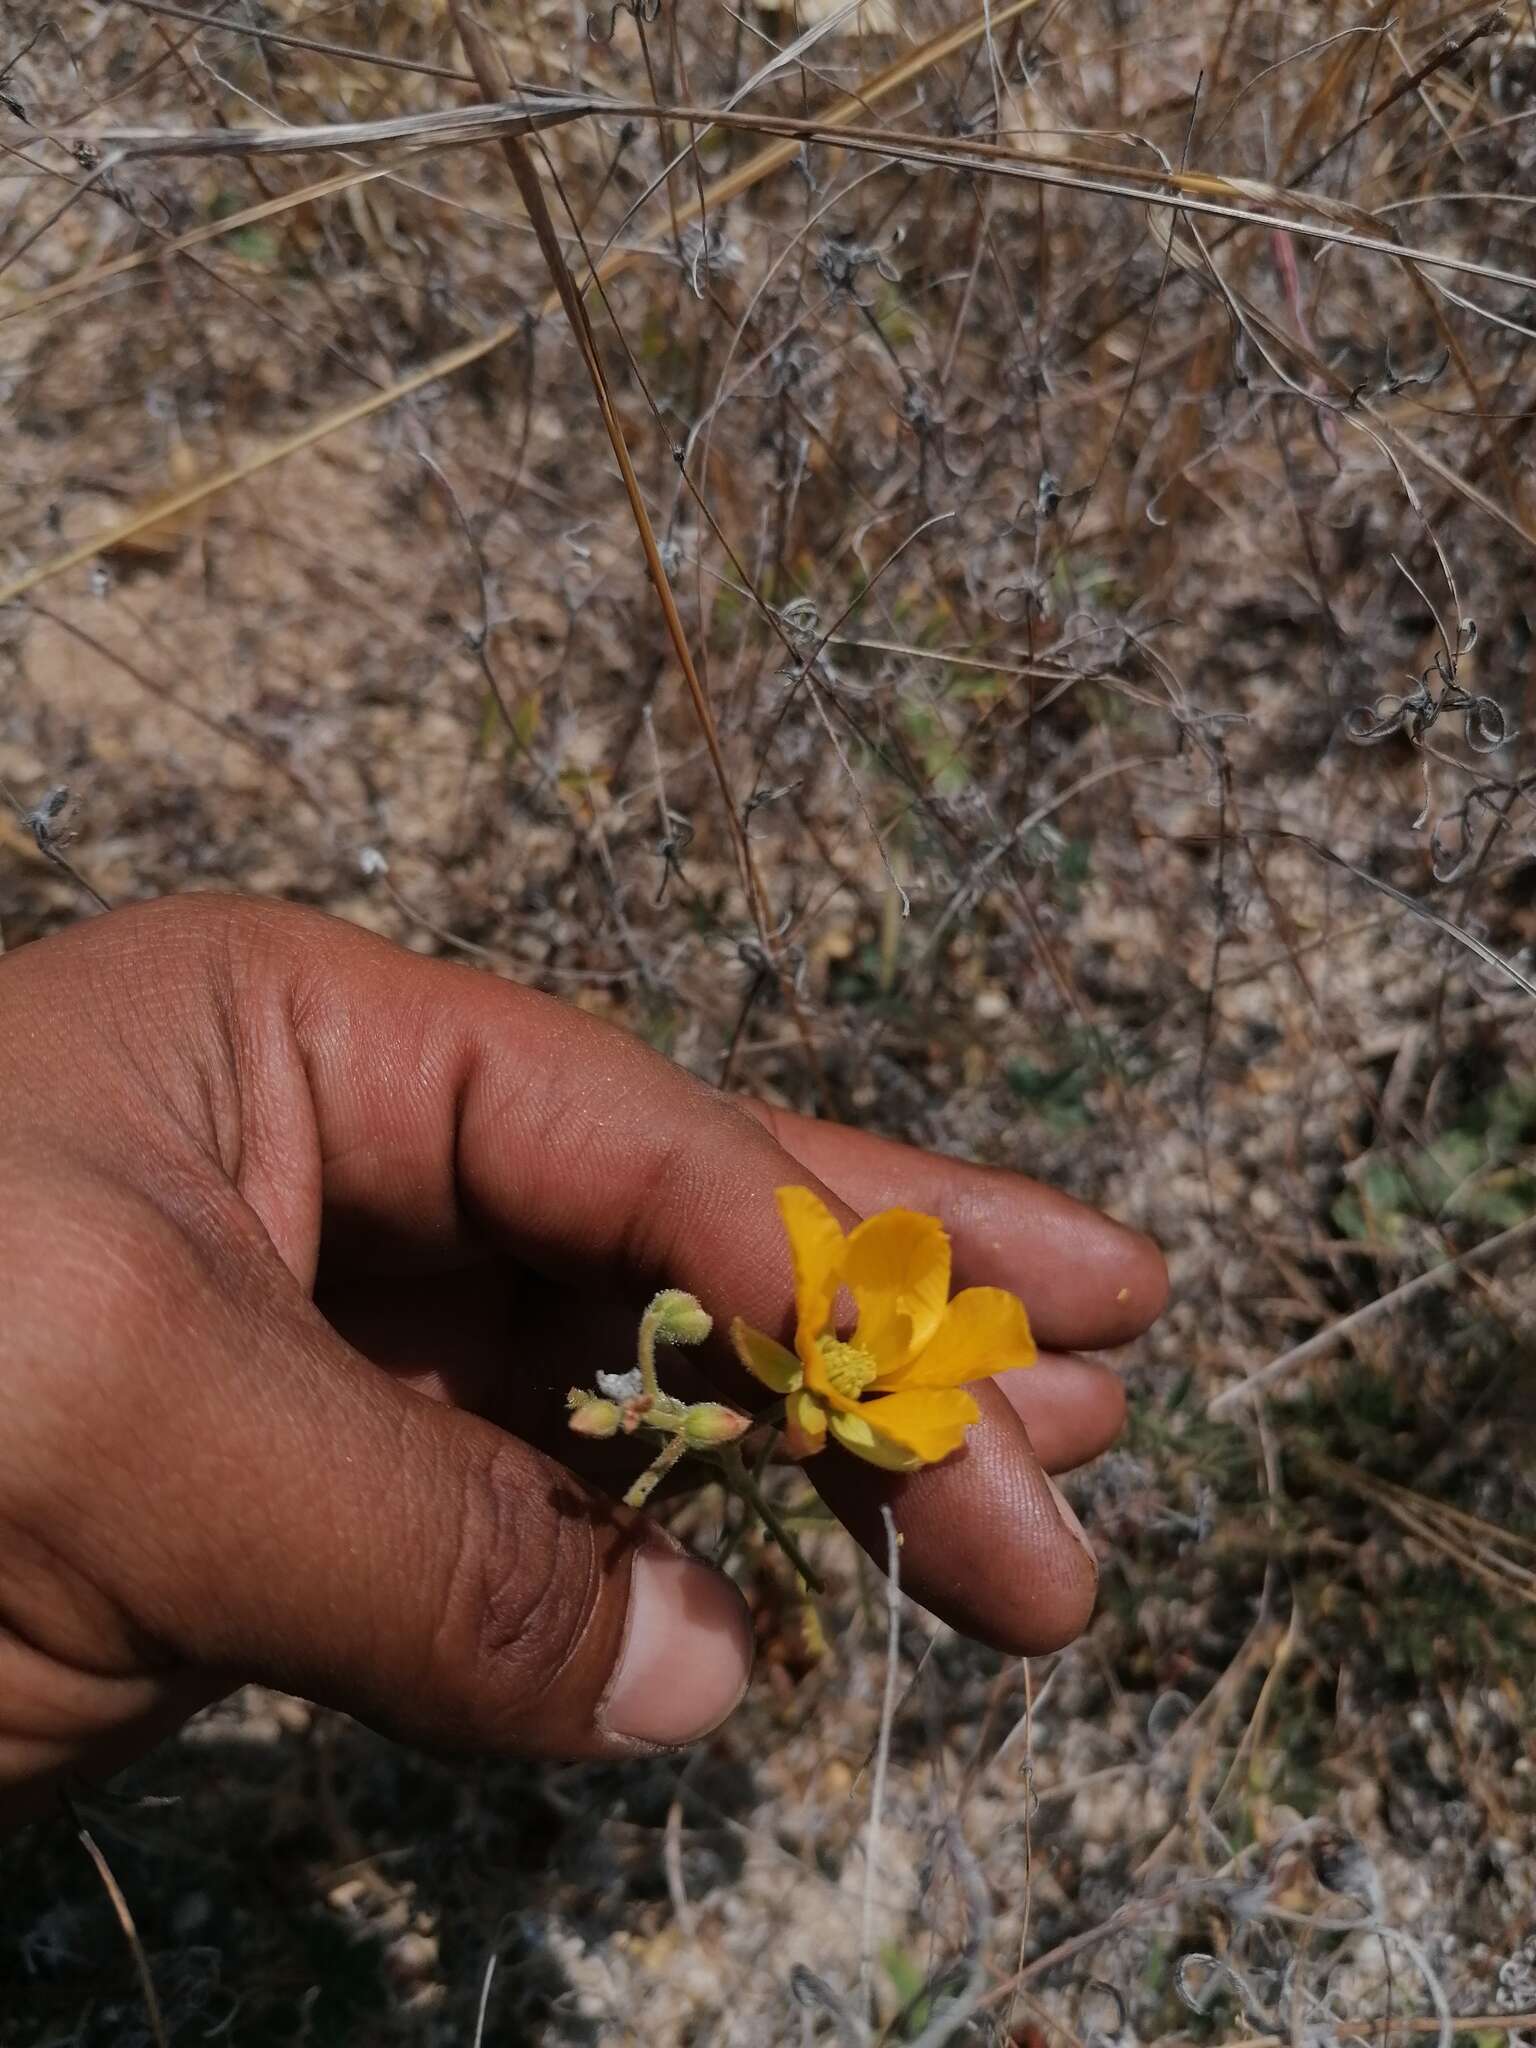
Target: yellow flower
[[893, 1392]]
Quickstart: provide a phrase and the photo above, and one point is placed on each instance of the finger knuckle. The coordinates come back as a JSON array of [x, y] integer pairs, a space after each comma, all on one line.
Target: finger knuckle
[[687, 1182], [194, 969]]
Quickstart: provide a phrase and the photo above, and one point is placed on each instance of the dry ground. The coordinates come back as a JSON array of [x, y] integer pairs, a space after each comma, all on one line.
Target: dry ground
[[1067, 579]]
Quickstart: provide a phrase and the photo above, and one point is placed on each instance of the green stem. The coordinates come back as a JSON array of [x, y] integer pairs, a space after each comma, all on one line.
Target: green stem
[[669, 1454], [741, 1482], [731, 1537], [645, 1355]]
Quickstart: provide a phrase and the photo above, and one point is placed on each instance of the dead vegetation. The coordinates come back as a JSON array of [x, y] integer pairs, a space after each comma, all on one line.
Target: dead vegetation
[[1087, 454]]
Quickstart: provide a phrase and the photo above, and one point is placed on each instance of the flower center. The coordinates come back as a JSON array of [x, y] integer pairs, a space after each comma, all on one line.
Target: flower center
[[849, 1369]]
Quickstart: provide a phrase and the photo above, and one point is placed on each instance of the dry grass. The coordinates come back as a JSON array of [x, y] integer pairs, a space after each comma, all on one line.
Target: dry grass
[[1086, 763]]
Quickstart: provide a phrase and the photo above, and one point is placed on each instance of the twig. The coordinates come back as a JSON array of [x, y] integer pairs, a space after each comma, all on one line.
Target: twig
[[205, 231], [485, 60], [237, 27], [442, 127], [1074, 1945], [1461, 2023], [742, 1482], [1326, 1340], [1451, 48], [1452, 930], [672, 1860], [37, 821], [906, 70], [120, 1907], [1030, 1807], [812, 1992], [512, 118], [882, 1753], [484, 2006], [948, 2020]]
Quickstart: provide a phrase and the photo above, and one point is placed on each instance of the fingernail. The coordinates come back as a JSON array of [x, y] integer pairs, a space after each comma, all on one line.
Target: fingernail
[[687, 1652], [1068, 1515]]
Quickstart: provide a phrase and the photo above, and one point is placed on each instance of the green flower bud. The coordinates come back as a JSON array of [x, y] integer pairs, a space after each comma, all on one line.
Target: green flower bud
[[710, 1422], [678, 1318]]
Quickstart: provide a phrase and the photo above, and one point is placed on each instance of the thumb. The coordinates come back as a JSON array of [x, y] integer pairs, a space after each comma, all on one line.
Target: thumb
[[323, 1529]]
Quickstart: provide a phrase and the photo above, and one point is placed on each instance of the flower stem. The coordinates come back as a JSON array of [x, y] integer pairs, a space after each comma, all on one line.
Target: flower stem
[[741, 1482], [669, 1454], [645, 1354]]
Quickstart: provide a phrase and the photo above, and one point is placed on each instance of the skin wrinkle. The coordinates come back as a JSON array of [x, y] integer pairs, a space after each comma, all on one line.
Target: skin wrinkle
[[443, 1487], [533, 1117], [576, 1121], [279, 1181], [71, 1622], [590, 1107], [323, 1031], [68, 1702], [462, 1070], [280, 1176], [432, 1061], [566, 1136], [438, 1494], [137, 1019], [159, 1131], [684, 1198], [224, 1073]]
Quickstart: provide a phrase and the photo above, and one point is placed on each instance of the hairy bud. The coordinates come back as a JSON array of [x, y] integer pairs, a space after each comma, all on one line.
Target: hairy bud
[[593, 1417], [710, 1422], [678, 1318]]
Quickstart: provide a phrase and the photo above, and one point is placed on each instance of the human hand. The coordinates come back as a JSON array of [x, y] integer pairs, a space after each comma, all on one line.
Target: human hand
[[302, 1240]]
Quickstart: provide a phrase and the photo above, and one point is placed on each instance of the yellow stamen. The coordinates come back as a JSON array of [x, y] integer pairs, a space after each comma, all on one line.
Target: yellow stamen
[[849, 1369]]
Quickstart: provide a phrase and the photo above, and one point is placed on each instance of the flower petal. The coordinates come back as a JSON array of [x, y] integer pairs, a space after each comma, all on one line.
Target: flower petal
[[855, 1434], [903, 1431], [764, 1359], [984, 1331], [897, 1268], [805, 1425], [816, 1244]]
